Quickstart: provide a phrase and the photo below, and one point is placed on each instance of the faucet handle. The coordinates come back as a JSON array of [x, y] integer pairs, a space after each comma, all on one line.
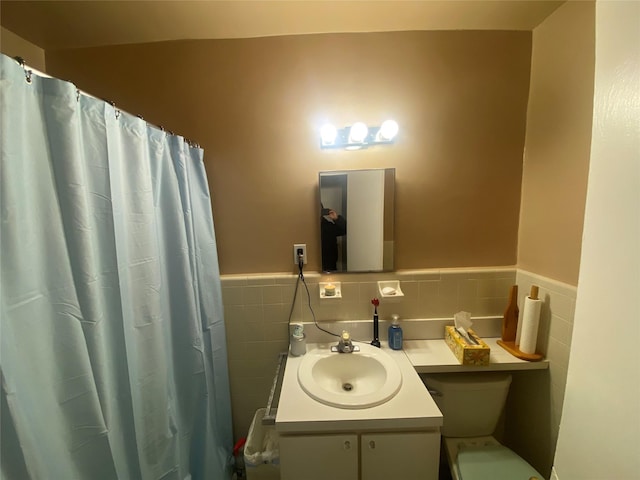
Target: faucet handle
[[345, 345]]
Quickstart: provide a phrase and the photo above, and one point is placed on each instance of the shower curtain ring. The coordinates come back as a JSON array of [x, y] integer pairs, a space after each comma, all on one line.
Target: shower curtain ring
[[27, 73]]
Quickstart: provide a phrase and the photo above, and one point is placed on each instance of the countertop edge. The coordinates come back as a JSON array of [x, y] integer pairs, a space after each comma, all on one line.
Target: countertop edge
[[434, 356], [360, 426]]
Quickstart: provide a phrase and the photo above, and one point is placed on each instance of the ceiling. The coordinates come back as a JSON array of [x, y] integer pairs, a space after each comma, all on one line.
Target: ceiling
[[75, 24]]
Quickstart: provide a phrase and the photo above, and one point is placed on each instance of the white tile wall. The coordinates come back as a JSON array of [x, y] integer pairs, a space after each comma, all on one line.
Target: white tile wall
[[554, 342], [257, 310]]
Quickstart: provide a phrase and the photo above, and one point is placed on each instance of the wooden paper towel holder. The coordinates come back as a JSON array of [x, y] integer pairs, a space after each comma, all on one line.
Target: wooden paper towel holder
[[510, 323]]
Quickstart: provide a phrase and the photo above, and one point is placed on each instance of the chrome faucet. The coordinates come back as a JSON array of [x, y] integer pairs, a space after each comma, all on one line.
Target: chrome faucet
[[345, 345]]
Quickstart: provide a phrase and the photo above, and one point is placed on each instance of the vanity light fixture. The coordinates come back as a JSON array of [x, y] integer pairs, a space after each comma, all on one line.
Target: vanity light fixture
[[328, 134], [358, 135], [358, 132], [388, 131]]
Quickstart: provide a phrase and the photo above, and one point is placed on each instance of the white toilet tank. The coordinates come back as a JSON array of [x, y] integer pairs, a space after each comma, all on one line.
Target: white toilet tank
[[471, 403]]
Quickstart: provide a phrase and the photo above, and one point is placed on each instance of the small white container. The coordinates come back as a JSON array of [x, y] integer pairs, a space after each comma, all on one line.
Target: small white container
[[298, 340]]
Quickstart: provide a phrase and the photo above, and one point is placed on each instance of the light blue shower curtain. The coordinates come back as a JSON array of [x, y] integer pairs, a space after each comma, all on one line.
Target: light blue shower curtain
[[113, 353]]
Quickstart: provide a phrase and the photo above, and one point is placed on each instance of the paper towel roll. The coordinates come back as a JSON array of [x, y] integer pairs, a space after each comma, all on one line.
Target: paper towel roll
[[529, 328]]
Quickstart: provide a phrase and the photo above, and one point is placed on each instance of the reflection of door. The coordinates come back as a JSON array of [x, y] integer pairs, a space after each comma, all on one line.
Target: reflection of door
[[333, 195], [366, 214]]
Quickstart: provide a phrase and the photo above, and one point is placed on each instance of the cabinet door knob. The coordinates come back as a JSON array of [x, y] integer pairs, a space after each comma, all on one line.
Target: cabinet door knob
[[347, 445], [372, 444]]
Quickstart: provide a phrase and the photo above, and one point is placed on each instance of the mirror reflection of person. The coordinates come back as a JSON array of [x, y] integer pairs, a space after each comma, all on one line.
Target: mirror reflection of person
[[332, 226]]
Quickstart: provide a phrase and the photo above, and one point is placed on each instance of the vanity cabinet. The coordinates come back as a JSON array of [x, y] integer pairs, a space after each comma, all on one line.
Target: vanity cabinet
[[400, 455], [365, 456], [319, 457]]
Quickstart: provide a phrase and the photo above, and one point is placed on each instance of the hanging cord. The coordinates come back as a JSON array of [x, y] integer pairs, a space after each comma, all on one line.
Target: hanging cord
[[295, 293]]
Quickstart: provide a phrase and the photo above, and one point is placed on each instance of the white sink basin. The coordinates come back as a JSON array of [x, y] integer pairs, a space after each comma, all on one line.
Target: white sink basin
[[361, 379]]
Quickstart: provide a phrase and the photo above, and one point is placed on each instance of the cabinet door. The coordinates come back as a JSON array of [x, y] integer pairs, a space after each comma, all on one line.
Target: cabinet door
[[400, 455], [319, 457]]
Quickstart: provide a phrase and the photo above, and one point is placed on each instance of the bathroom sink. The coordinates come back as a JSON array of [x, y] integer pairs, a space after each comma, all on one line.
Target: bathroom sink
[[361, 379]]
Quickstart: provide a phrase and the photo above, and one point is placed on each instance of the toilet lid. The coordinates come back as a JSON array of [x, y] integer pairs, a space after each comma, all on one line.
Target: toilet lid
[[494, 462]]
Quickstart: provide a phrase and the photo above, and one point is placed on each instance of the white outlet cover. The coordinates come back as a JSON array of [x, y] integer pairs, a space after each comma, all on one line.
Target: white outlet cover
[[296, 246]]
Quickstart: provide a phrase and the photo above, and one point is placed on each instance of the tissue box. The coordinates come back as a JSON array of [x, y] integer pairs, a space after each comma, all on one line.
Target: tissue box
[[465, 353]]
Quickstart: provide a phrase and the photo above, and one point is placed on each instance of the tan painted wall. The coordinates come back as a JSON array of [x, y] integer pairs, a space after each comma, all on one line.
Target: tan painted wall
[[255, 106], [14, 46], [558, 141]]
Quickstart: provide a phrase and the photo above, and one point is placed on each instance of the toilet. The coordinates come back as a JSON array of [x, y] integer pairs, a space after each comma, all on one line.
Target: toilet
[[471, 405]]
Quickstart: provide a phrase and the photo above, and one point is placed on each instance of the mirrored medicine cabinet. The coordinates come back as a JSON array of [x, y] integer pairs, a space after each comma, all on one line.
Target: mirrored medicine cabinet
[[357, 220]]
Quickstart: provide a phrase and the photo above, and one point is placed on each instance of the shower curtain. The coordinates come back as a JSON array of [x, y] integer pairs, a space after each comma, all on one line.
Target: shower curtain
[[113, 353]]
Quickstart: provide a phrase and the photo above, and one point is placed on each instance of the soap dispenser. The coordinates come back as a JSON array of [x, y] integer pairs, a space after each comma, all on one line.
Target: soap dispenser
[[395, 333]]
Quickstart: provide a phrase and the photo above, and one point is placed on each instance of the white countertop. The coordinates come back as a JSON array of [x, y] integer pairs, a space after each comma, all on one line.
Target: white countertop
[[411, 408], [434, 356]]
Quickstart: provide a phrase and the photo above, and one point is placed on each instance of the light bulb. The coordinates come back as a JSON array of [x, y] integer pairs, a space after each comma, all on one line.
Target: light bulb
[[358, 132], [388, 130], [328, 134]]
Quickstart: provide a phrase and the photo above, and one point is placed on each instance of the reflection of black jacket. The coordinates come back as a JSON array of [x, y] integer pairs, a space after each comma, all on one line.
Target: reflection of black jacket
[[330, 231]]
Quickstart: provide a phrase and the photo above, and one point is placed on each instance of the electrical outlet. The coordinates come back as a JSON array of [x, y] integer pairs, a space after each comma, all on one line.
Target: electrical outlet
[[300, 246]]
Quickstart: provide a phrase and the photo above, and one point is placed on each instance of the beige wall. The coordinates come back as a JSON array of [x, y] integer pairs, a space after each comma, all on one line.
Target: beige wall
[[14, 46], [554, 183], [557, 145], [255, 106]]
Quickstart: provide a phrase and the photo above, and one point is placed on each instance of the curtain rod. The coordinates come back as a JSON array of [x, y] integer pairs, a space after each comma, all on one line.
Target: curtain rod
[[29, 71]]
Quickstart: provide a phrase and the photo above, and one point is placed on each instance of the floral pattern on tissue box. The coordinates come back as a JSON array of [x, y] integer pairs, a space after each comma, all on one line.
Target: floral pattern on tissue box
[[467, 354]]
